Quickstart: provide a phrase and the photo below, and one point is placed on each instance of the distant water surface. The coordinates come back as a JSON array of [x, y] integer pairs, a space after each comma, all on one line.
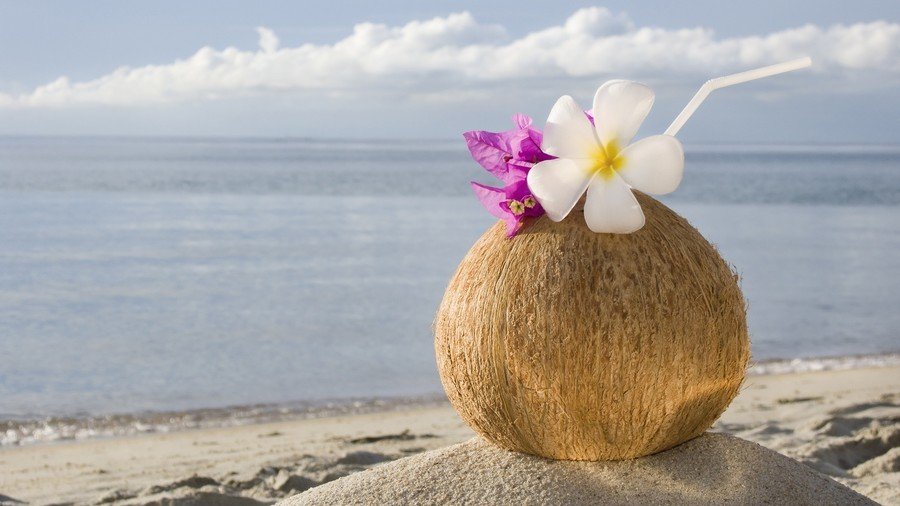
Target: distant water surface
[[155, 274]]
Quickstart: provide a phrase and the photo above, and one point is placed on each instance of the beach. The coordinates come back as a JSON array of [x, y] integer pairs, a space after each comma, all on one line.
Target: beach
[[179, 323], [844, 423], [250, 255]]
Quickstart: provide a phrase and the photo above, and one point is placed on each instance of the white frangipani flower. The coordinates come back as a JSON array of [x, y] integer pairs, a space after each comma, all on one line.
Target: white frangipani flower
[[599, 159]]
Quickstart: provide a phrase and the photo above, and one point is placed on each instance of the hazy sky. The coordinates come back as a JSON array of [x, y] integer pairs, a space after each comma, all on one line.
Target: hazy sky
[[434, 69]]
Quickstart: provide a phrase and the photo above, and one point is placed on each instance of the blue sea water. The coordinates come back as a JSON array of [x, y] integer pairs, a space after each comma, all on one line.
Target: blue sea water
[[169, 274]]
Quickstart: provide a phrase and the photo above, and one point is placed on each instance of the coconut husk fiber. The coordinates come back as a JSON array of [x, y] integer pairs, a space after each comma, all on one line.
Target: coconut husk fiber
[[568, 344]]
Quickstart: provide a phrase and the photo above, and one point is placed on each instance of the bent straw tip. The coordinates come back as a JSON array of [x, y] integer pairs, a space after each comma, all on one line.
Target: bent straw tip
[[799, 63], [730, 80]]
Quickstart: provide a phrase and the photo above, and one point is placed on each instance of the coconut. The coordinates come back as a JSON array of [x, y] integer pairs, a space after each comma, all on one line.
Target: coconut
[[568, 344]]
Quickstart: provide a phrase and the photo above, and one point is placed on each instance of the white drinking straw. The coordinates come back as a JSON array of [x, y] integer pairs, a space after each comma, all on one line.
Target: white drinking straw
[[721, 82]]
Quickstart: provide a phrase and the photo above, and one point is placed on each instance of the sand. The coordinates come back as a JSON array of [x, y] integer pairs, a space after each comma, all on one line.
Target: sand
[[845, 424], [712, 469]]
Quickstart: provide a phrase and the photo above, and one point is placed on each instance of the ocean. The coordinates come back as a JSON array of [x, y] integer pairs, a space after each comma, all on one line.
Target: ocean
[[163, 275]]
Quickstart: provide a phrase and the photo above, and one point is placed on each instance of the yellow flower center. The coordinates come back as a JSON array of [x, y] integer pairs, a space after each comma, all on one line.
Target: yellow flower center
[[516, 207], [607, 160]]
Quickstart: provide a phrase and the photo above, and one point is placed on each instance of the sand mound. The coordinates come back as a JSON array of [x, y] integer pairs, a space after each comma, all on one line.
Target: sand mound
[[712, 469]]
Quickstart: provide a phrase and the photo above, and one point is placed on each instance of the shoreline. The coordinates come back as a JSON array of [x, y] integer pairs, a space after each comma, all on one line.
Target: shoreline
[[844, 423], [31, 430], [27, 431]]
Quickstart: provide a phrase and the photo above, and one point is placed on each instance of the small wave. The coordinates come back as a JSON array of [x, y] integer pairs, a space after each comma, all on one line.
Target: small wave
[[14, 432], [795, 365]]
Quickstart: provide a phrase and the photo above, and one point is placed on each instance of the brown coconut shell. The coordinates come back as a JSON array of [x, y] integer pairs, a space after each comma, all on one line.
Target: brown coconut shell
[[569, 344]]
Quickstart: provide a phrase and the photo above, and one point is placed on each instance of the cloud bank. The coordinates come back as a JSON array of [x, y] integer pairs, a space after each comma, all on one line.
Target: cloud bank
[[446, 55]]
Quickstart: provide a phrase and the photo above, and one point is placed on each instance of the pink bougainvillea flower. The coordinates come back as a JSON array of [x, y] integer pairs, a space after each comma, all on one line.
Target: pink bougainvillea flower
[[511, 204], [597, 158], [525, 143], [508, 155]]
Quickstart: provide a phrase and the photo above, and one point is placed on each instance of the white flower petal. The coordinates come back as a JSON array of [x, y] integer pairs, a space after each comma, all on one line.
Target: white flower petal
[[654, 164], [611, 208], [619, 109], [568, 133], [558, 184]]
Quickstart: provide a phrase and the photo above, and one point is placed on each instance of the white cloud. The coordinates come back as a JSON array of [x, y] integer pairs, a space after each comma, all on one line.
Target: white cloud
[[456, 52], [268, 41]]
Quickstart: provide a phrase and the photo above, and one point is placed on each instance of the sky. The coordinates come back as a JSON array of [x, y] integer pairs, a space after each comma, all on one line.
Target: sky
[[415, 70]]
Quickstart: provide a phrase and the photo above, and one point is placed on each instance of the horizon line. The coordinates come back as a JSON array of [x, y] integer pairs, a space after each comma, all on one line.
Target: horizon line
[[338, 140]]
